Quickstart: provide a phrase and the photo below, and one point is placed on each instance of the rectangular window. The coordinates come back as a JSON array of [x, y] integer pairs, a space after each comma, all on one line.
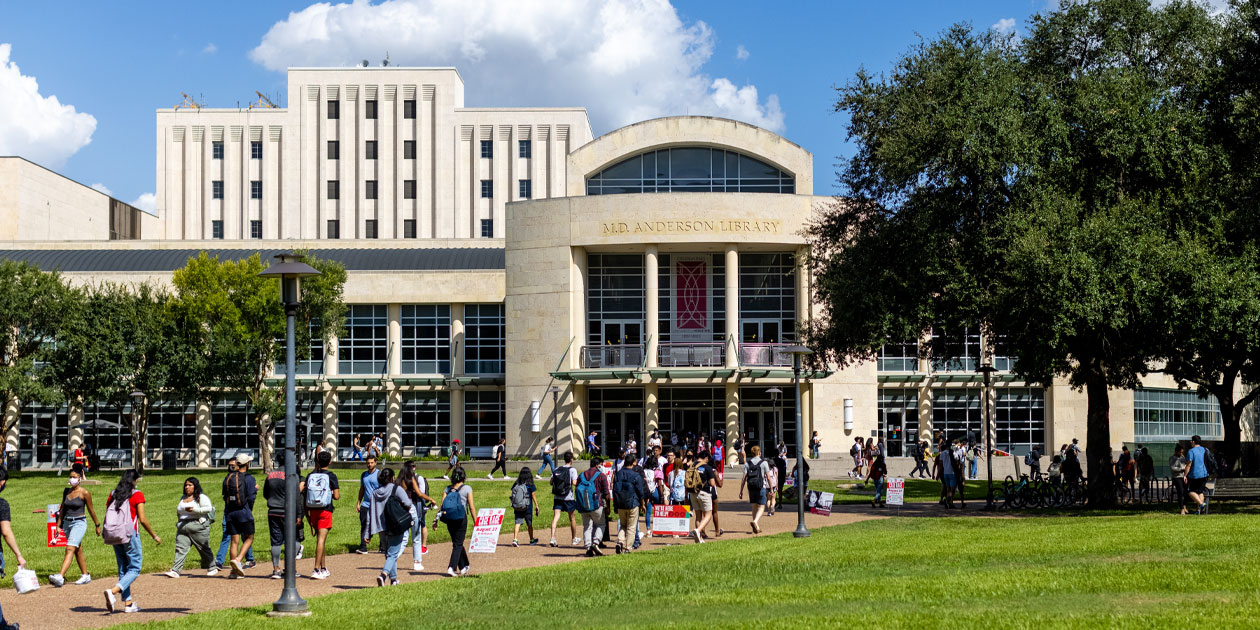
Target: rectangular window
[[485, 414], [767, 298], [369, 228], [409, 228], [216, 150], [216, 189], [426, 339], [255, 229], [409, 149], [615, 306], [369, 150], [362, 414], [487, 228], [957, 411], [255, 150], [484, 333], [409, 189], [526, 188], [409, 109], [334, 150], [334, 228], [314, 364], [524, 149], [487, 189], [1167, 415], [172, 424], [232, 424], [334, 189], [426, 421], [1020, 419], [255, 189], [899, 357], [487, 148], [369, 189], [364, 348], [216, 229], [957, 353], [334, 110], [1003, 357], [369, 110]]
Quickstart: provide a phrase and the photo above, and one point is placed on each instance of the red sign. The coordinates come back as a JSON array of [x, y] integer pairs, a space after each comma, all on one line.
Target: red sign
[[56, 537], [692, 295], [671, 520]]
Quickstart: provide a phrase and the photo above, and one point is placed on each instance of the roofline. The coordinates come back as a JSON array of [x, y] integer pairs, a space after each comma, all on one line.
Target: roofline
[[75, 181], [738, 122], [384, 68]]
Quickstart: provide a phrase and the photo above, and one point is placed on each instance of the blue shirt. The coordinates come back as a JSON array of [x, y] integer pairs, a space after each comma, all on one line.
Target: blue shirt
[[1196, 460], [370, 484]]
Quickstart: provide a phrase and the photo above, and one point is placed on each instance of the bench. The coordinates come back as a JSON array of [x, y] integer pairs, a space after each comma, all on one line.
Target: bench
[[1236, 489], [480, 452], [116, 457]]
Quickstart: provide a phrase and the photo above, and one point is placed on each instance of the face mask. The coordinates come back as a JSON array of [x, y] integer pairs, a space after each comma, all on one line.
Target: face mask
[[74, 481]]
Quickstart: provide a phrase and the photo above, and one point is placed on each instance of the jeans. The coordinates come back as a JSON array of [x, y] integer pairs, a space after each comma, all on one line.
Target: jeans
[[813, 453], [357, 455], [129, 557], [459, 557], [189, 534], [654, 499], [393, 549], [975, 468], [593, 524], [547, 463], [414, 536], [624, 517], [363, 529], [221, 557], [881, 486]]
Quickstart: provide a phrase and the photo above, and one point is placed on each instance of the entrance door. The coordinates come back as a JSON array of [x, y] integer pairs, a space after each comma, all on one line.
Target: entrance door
[[45, 433], [894, 433], [621, 343], [760, 330], [620, 426], [763, 428], [693, 423]]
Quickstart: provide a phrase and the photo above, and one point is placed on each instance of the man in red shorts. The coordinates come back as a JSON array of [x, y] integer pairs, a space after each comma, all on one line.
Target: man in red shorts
[[321, 491]]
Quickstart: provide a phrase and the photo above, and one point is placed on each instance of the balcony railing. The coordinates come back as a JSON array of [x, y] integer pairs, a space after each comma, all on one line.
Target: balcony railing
[[611, 356], [692, 354], [765, 354]]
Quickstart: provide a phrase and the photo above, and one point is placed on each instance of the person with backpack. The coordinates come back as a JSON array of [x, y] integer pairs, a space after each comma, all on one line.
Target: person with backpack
[[275, 493], [591, 494], [367, 485], [457, 505], [390, 516], [500, 459], [225, 541], [452, 460], [321, 491], [195, 513], [239, 491], [815, 446], [6, 531], [879, 474], [677, 480], [654, 478], [1199, 467], [756, 472], [524, 505], [548, 448], [124, 514], [629, 493], [701, 480], [417, 488], [562, 482], [772, 489], [76, 506]]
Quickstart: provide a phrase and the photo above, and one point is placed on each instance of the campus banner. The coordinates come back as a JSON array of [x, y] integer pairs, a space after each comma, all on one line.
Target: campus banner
[[671, 520], [819, 502], [56, 537], [896, 491], [693, 297], [486, 532]]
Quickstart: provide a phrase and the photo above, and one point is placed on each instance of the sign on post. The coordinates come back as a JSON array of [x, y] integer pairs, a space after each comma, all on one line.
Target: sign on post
[[819, 502], [486, 531], [671, 520], [896, 491], [56, 537]]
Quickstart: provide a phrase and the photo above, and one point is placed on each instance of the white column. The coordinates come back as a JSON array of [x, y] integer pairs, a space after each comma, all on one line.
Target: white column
[[732, 304], [651, 267], [393, 423], [802, 291], [330, 356], [74, 434], [457, 341], [395, 338], [203, 434], [330, 422], [651, 408]]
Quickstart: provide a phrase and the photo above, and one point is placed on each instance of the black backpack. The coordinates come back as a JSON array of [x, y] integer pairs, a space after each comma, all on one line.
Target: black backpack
[[626, 489], [396, 518], [561, 484], [754, 477], [1209, 462]]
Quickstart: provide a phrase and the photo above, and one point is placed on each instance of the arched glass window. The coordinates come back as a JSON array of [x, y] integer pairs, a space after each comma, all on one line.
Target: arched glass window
[[690, 169]]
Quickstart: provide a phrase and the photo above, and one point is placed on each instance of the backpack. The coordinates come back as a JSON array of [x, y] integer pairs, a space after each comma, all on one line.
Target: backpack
[[677, 489], [586, 493], [754, 477], [232, 497], [561, 483], [854, 450], [119, 525], [1209, 462], [453, 509], [693, 481], [626, 489], [395, 517], [520, 497], [318, 494]]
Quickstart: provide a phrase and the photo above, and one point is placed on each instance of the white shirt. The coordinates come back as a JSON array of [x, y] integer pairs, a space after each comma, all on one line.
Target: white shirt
[[655, 441], [947, 463], [547, 448]]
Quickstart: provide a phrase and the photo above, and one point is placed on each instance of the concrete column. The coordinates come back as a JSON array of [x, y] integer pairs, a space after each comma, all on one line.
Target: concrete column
[[393, 423], [74, 434], [807, 413], [12, 415], [330, 356], [802, 291], [395, 337], [925, 411], [732, 305], [651, 408], [330, 422], [732, 410], [457, 415], [457, 343], [651, 268], [203, 434]]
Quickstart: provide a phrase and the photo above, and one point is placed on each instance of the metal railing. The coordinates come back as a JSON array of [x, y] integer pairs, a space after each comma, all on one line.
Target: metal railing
[[764, 355], [611, 356], [691, 354]]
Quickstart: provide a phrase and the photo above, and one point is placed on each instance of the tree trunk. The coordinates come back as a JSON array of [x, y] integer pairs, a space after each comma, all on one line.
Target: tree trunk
[[1231, 416], [139, 438], [264, 446], [1098, 433]]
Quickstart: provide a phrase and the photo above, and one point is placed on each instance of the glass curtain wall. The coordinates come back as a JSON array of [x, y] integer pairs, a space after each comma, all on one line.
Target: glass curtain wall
[[426, 339], [1167, 415], [690, 169], [485, 332], [360, 413], [485, 418], [364, 347], [1020, 419], [767, 297]]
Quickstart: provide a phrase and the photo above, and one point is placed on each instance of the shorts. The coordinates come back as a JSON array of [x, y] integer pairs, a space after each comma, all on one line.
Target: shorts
[[240, 523], [275, 528], [1197, 486], [75, 529], [949, 481], [702, 502], [320, 518], [757, 496], [524, 517], [566, 506]]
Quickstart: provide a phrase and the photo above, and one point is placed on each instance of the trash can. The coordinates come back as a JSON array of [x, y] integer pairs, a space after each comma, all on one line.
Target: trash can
[[15, 461], [168, 459], [94, 462]]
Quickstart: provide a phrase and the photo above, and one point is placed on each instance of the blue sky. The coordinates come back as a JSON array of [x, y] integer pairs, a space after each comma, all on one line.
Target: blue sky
[[118, 62]]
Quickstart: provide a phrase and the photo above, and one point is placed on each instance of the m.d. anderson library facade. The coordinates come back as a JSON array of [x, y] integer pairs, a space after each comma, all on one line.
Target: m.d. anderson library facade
[[652, 274]]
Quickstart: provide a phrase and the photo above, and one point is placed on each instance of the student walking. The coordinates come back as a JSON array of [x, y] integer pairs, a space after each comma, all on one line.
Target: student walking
[[239, 491], [194, 514], [390, 516], [945, 472], [225, 541], [500, 459], [275, 493], [356, 448], [417, 488], [654, 478], [524, 505], [76, 506], [677, 480], [879, 475], [591, 494], [548, 449], [124, 515], [6, 531], [701, 482], [772, 487], [629, 494], [815, 446], [322, 490], [562, 482], [457, 504], [1199, 466], [756, 473], [1177, 467], [368, 484], [452, 461]]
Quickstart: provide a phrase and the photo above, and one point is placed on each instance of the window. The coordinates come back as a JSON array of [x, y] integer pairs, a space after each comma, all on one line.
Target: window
[[690, 169], [334, 228], [369, 110], [232, 424], [958, 353], [1020, 419], [369, 228], [255, 189], [369, 189], [487, 148], [312, 365], [255, 150], [409, 149], [426, 420], [484, 332], [363, 348], [426, 339], [409, 228], [487, 228], [615, 295], [409, 108], [526, 188], [334, 110], [216, 189], [487, 189], [484, 417], [898, 420], [216, 229], [409, 189], [899, 357], [524, 149], [334, 150], [1165, 415], [360, 414], [172, 424], [216, 150], [955, 411], [334, 189], [369, 150], [255, 229], [767, 297], [1003, 357]]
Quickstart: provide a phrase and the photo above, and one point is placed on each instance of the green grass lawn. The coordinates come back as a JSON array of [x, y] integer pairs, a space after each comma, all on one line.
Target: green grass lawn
[[1147, 571]]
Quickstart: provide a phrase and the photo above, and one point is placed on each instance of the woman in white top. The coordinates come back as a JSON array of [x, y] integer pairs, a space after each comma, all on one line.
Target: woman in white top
[[195, 513]]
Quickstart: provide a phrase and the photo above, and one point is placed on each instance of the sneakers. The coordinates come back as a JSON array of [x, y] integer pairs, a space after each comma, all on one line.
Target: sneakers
[[300, 550], [537, 476], [56, 580], [515, 543], [533, 541], [83, 579], [277, 574], [695, 533], [637, 544], [319, 574], [238, 569], [361, 551], [451, 572], [212, 571], [170, 574], [131, 608], [249, 564], [490, 477], [111, 602], [590, 552], [464, 570], [596, 550], [393, 582], [382, 579], [577, 542], [553, 543], [417, 566], [446, 477], [619, 548]]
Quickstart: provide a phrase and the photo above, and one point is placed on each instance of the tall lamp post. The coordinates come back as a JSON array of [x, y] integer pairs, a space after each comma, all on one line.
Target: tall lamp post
[[797, 352], [555, 418], [774, 392], [137, 398], [290, 269], [987, 370]]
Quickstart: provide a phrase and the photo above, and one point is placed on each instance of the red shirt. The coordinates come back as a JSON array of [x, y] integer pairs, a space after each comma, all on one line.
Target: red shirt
[[137, 498]]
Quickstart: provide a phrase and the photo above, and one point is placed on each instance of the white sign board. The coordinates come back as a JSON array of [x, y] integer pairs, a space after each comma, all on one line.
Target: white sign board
[[486, 532], [896, 491]]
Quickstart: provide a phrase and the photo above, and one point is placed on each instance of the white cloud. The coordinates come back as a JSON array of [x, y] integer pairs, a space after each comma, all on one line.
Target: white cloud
[[741, 53], [1215, 7], [1004, 25], [102, 188], [624, 60], [146, 202], [210, 49], [34, 126]]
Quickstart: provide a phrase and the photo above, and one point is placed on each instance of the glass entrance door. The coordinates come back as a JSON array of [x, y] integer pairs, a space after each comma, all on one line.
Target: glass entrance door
[[760, 331], [764, 428], [893, 430], [620, 426], [622, 343]]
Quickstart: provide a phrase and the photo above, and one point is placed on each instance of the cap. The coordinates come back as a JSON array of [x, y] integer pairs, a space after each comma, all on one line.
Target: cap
[[244, 458]]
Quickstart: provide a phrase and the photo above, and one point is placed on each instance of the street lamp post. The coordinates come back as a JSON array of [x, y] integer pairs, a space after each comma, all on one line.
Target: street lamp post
[[137, 397], [290, 269], [555, 418], [797, 352], [987, 370], [774, 392]]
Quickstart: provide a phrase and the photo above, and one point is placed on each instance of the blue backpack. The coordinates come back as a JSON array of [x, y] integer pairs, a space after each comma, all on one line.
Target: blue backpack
[[678, 488], [586, 494], [453, 507]]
